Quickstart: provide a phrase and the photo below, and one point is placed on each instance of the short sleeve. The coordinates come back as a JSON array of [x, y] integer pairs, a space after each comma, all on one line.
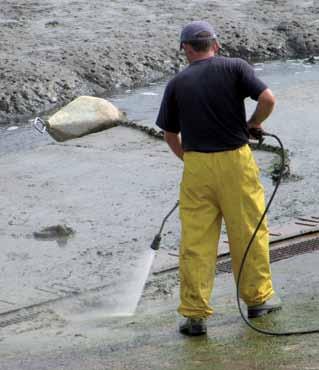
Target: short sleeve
[[167, 118], [250, 84]]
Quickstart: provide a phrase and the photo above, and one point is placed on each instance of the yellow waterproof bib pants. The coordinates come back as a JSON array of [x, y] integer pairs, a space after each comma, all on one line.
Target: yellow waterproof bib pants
[[215, 186]]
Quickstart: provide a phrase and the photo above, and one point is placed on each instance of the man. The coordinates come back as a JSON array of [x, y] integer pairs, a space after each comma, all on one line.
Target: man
[[205, 105]]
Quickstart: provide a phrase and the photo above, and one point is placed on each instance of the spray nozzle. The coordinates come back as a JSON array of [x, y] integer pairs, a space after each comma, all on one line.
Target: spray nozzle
[[256, 133], [156, 242]]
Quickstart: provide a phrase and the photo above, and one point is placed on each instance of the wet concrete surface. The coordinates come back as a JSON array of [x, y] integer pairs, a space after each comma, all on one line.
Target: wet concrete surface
[[113, 189], [150, 340], [98, 187]]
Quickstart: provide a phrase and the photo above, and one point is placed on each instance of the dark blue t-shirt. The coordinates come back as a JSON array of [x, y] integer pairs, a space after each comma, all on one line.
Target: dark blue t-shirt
[[205, 102]]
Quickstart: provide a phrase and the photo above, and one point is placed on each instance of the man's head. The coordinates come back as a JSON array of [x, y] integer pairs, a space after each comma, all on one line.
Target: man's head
[[198, 39]]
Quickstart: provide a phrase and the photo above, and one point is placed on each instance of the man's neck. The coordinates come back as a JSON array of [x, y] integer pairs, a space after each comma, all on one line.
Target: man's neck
[[200, 56]]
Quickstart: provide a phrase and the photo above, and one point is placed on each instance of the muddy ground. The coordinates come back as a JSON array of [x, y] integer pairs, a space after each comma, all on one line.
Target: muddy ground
[[54, 50]]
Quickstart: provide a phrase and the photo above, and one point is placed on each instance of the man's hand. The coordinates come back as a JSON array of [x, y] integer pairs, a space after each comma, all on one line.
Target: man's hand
[[256, 133]]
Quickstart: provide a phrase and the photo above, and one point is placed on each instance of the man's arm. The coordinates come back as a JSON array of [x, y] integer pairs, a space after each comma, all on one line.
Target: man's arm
[[265, 105], [174, 142]]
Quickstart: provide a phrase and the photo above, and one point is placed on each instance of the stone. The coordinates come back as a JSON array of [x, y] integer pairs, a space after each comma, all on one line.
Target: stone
[[83, 116], [54, 232]]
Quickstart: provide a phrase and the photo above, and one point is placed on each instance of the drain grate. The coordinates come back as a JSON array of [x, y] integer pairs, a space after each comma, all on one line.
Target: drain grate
[[223, 266], [306, 246]]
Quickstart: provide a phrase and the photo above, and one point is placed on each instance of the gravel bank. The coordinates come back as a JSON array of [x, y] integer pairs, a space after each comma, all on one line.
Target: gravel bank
[[55, 50]]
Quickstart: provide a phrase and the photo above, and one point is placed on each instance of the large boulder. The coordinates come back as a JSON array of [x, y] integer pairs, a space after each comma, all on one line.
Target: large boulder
[[84, 115]]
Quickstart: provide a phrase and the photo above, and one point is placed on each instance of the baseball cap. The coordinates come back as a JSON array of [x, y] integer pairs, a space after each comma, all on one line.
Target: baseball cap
[[191, 31]]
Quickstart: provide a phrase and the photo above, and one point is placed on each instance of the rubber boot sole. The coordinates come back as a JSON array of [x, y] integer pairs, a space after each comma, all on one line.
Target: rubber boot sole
[[252, 314], [193, 331]]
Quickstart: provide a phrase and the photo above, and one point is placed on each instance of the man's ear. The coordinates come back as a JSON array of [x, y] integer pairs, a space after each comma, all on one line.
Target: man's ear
[[216, 46]]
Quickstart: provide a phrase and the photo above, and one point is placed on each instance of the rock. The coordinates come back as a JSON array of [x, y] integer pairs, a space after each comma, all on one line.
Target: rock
[[310, 60], [54, 232], [4, 106], [83, 116], [52, 24], [283, 26], [287, 26]]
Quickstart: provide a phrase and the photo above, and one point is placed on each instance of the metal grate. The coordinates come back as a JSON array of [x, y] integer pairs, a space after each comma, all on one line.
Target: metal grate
[[306, 246]]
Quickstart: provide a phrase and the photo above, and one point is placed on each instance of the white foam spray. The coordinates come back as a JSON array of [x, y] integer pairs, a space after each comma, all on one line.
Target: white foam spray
[[139, 278], [118, 300]]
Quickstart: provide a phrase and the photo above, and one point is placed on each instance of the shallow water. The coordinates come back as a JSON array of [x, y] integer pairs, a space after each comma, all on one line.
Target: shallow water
[[295, 121], [295, 85]]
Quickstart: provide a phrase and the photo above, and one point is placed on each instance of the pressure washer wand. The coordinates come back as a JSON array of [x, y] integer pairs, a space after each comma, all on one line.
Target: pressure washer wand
[[157, 239]]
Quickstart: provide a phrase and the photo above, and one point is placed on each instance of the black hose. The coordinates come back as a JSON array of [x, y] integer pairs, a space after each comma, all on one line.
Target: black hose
[[156, 243], [263, 331]]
